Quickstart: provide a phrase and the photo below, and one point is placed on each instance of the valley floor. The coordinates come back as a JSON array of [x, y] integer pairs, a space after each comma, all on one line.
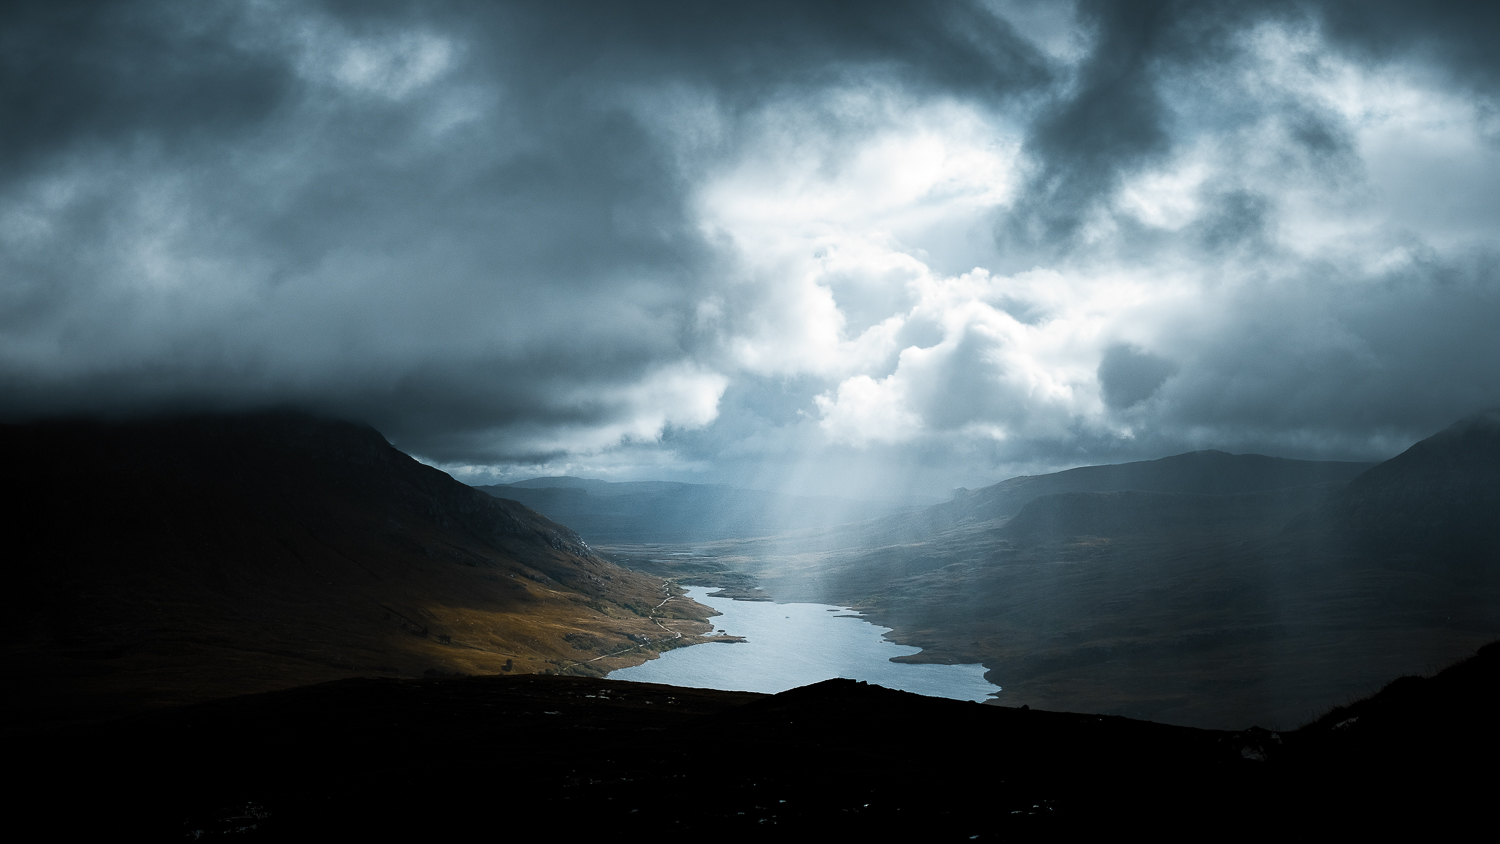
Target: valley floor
[[1198, 631]]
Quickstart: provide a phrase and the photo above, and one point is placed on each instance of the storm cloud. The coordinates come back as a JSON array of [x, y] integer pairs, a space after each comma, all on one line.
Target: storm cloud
[[779, 244]]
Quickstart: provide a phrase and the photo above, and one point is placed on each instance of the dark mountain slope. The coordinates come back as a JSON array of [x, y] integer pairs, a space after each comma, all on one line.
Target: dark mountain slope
[[1413, 754], [1195, 473], [1198, 473], [1117, 514], [1243, 495], [215, 555], [1197, 609], [584, 758], [1441, 497]]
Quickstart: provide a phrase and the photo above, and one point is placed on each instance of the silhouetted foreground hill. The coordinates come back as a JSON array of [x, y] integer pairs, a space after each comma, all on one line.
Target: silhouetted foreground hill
[[216, 555], [640, 512], [569, 758]]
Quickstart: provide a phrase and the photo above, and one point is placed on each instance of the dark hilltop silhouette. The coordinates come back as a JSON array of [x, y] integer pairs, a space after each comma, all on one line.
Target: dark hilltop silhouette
[[571, 758], [188, 558]]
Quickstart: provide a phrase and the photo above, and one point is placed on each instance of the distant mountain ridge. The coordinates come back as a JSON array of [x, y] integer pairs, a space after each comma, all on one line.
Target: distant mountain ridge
[[594, 486], [1131, 512], [1203, 589], [1194, 473], [1197, 473], [1441, 496], [644, 512]]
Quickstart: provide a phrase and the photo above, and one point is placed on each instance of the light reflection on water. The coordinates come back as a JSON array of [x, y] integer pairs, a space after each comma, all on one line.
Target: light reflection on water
[[790, 645]]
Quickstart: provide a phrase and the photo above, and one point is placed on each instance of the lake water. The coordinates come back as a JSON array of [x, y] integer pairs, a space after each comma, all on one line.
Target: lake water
[[791, 645]]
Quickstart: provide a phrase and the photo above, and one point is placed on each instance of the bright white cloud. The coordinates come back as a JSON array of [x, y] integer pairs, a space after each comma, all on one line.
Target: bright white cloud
[[818, 216]]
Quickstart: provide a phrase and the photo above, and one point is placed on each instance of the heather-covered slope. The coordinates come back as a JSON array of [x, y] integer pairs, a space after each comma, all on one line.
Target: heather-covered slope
[[187, 558]]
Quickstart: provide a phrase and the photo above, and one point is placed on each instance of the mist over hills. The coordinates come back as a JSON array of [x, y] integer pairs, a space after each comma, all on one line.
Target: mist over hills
[[216, 555], [1205, 589], [1199, 473], [636, 512]]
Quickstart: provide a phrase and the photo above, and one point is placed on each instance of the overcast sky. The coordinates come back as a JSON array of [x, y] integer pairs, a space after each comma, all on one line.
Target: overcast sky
[[859, 248]]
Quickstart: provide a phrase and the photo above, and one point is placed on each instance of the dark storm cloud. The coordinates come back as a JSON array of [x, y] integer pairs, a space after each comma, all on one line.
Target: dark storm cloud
[[483, 226], [1129, 376], [1412, 350], [74, 76], [1323, 356], [1456, 37], [455, 220], [1115, 119]]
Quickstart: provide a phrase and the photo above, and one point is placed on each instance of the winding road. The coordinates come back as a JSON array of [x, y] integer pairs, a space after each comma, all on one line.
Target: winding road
[[666, 587]]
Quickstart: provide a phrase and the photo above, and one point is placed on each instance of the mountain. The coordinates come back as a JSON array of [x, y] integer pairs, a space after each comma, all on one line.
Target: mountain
[[1060, 516], [222, 554], [645, 512], [1206, 589], [1194, 473], [1441, 497], [597, 758]]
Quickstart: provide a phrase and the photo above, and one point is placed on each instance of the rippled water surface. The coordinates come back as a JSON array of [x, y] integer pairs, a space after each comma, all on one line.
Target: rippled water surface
[[790, 645]]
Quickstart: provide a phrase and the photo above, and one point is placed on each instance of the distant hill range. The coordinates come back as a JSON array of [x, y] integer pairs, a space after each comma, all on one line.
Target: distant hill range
[[1195, 473], [1205, 589], [644, 512], [1439, 498], [215, 555]]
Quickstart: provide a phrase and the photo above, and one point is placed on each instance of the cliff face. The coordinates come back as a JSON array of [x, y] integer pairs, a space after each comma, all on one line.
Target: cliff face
[[187, 558]]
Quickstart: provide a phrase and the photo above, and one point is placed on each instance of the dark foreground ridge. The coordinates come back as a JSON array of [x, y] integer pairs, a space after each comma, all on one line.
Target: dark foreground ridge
[[575, 757]]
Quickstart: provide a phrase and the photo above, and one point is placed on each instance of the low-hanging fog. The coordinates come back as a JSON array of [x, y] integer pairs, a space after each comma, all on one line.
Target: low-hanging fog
[[837, 248]]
